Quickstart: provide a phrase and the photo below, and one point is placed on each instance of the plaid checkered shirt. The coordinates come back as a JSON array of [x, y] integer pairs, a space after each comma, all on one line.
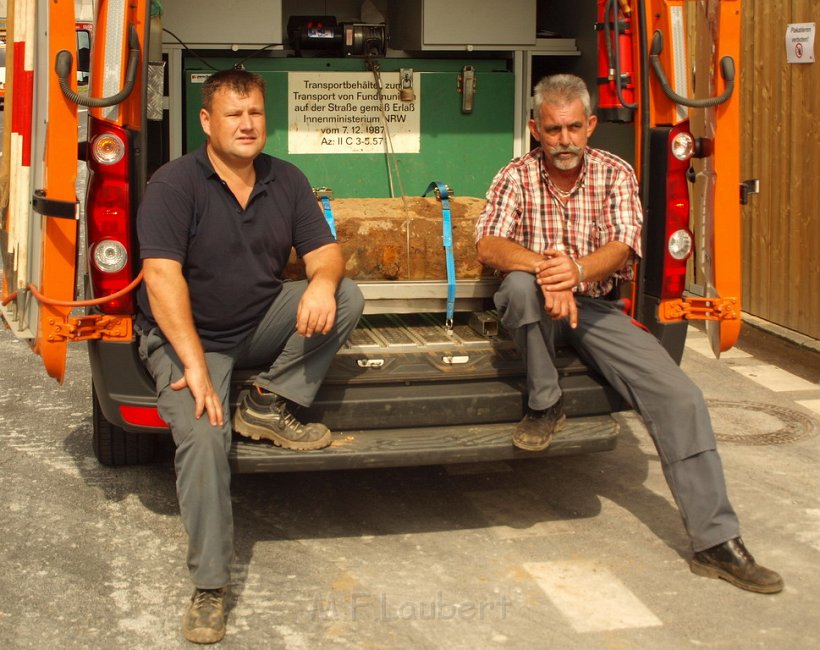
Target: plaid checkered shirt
[[523, 205]]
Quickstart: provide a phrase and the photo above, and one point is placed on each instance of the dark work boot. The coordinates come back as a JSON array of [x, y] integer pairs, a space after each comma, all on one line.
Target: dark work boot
[[204, 621], [534, 432], [263, 415], [732, 562]]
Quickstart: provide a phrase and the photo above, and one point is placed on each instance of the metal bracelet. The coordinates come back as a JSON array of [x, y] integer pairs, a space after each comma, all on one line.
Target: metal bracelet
[[580, 268]]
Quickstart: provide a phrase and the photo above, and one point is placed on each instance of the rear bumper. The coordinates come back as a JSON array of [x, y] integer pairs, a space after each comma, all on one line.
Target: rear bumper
[[423, 446], [443, 423], [120, 379]]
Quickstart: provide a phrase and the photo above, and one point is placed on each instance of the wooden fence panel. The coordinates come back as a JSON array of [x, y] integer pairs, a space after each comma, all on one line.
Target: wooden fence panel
[[780, 120]]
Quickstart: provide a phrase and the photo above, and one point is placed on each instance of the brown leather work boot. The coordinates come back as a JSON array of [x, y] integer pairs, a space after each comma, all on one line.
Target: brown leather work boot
[[204, 621], [264, 415], [534, 431]]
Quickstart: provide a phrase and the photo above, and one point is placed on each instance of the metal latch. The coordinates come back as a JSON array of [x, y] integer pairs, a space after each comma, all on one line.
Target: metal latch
[[91, 327], [751, 186], [406, 92], [466, 86]]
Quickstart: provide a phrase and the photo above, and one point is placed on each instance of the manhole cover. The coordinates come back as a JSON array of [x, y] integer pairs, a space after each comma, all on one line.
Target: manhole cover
[[752, 423]]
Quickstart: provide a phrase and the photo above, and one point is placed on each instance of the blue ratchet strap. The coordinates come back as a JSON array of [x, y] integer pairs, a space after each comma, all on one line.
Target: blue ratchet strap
[[447, 239], [329, 215]]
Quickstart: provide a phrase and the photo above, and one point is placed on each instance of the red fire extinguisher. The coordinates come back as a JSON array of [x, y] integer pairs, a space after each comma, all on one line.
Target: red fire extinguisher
[[616, 83]]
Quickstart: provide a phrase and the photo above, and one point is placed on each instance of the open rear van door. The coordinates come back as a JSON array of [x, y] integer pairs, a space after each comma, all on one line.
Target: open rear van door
[[40, 209]]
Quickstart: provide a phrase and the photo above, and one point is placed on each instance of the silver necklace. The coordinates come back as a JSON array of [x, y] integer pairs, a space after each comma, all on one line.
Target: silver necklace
[[563, 193]]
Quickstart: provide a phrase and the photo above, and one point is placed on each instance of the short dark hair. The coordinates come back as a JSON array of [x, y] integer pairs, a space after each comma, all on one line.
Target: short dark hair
[[241, 82]]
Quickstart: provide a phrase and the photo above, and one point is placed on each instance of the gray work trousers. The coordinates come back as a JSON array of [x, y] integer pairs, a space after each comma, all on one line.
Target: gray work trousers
[[298, 367], [637, 366]]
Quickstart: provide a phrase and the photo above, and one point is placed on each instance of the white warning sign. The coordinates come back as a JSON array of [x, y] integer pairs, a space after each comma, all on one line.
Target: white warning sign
[[800, 43], [344, 112]]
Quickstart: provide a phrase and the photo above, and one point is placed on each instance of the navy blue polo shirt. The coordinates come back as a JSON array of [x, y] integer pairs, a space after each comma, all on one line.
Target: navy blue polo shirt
[[232, 258]]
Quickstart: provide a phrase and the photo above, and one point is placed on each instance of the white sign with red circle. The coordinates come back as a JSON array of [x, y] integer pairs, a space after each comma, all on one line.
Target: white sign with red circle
[[800, 43]]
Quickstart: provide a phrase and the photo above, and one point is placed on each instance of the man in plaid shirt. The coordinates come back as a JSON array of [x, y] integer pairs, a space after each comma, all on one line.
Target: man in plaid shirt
[[563, 223]]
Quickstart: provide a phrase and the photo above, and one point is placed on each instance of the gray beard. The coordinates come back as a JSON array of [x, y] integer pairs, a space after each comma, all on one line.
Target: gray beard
[[567, 165]]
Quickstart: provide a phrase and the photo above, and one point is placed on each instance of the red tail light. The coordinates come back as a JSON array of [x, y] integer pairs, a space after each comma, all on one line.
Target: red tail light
[[144, 416], [108, 215], [679, 238]]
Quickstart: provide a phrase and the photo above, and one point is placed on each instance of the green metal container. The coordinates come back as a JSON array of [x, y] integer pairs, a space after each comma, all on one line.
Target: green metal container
[[326, 117]]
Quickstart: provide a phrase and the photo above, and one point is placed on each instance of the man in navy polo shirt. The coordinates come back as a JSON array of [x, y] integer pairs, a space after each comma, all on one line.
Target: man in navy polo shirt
[[216, 228]]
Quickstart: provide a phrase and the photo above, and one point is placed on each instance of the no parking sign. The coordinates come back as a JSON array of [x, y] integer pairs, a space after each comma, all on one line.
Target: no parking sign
[[800, 43]]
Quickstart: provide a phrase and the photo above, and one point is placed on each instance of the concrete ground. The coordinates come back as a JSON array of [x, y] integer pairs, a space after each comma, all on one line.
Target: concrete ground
[[580, 552]]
